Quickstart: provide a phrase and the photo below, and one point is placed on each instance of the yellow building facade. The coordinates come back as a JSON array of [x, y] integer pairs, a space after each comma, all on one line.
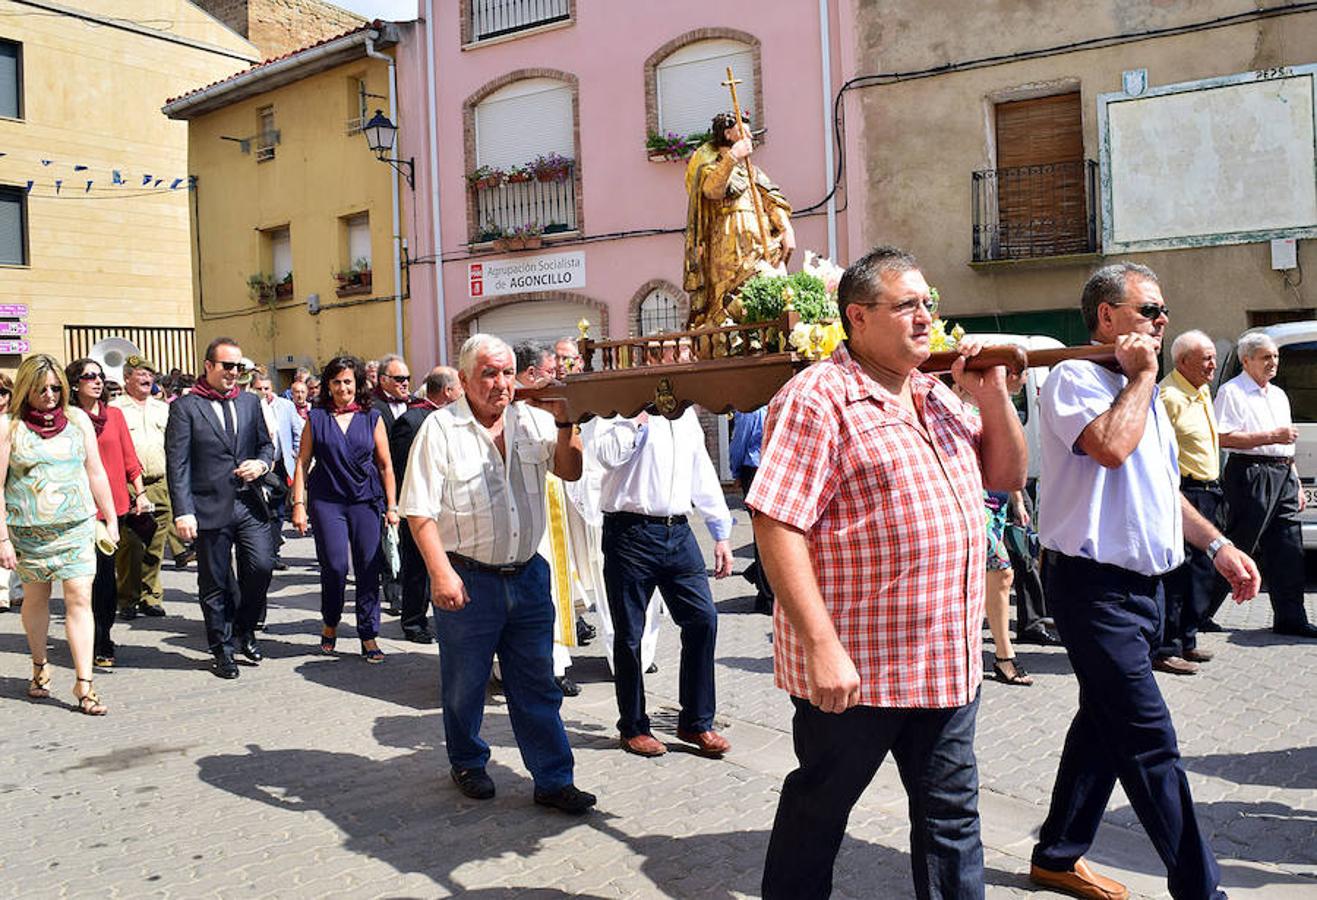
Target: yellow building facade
[[94, 209], [296, 253]]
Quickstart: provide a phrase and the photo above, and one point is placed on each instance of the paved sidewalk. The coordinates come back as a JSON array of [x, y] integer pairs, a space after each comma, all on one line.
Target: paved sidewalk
[[325, 777]]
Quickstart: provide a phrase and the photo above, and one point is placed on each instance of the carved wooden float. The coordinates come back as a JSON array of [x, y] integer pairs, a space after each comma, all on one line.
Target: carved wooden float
[[735, 367]]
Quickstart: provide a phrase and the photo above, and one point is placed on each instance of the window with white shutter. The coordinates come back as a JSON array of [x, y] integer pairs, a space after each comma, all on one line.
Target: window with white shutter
[[524, 120], [11, 79], [281, 253], [13, 227], [359, 240], [690, 84]]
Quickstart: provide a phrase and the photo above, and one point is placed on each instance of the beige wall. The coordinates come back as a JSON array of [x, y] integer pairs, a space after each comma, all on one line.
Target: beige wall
[[914, 144], [92, 95], [277, 27]]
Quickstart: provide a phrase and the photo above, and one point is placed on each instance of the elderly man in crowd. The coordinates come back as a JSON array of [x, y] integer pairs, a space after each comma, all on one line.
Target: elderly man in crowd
[[1261, 481], [285, 428], [869, 517], [1113, 523], [567, 355], [1187, 395], [656, 470], [474, 499], [137, 564], [391, 395], [442, 387]]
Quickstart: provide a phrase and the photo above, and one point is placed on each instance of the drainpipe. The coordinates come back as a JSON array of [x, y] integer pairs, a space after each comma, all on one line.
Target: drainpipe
[[825, 39], [393, 183], [431, 88]]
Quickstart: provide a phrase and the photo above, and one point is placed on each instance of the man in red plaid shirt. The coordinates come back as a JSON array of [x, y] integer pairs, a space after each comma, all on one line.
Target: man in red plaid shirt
[[870, 522]]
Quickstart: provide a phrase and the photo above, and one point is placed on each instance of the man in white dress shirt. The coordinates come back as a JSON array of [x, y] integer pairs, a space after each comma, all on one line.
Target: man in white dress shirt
[[655, 470], [285, 427], [1261, 482], [474, 500]]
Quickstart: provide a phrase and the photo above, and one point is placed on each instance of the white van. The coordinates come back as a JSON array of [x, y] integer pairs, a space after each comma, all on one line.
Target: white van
[[1297, 377], [1026, 402]]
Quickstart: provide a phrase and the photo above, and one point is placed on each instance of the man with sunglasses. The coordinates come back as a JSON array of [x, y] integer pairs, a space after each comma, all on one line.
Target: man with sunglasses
[[868, 510], [391, 397], [1113, 522], [217, 447]]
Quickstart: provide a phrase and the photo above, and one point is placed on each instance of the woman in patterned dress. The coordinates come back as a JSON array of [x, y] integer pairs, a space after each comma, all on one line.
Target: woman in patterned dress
[[52, 471]]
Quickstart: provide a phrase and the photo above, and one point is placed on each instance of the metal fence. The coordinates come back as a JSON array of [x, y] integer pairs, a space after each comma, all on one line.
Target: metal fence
[[494, 18], [168, 348], [547, 205], [1035, 211]]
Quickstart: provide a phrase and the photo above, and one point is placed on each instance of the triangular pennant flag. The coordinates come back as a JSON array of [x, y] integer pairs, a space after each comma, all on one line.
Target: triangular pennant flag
[[58, 185], [117, 178], [157, 182], [29, 186], [79, 167], [146, 179], [4, 154], [173, 185], [87, 188]]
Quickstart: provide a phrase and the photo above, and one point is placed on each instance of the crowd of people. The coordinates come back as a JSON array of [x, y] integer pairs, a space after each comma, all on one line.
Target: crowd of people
[[880, 499]]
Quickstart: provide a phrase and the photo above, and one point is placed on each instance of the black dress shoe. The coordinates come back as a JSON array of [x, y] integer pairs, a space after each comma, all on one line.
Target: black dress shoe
[[1209, 626], [250, 649], [224, 667], [568, 687], [474, 783], [279, 565], [1295, 629], [128, 612], [585, 632], [181, 561], [155, 610], [419, 636], [1040, 636], [569, 799]]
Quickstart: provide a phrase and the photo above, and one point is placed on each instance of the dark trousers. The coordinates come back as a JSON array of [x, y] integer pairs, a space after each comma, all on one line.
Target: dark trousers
[[1262, 518], [104, 603], [758, 577], [1110, 620], [839, 754], [639, 556], [342, 529], [511, 615], [1189, 588], [278, 509], [231, 605], [415, 584]]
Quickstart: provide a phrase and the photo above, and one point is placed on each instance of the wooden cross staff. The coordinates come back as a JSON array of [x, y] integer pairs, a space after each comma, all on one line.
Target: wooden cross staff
[[731, 83]]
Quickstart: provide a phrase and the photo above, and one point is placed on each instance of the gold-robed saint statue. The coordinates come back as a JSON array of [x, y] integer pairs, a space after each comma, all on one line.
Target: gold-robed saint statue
[[730, 230]]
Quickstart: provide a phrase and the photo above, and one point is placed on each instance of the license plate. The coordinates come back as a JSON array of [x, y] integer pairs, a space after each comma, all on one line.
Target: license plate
[[1310, 496]]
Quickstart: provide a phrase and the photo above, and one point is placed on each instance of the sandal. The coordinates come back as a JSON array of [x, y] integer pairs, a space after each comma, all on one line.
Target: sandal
[[328, 638], [39, 687], [103, 662], [1018, 677], [89, 704], [374, 655]]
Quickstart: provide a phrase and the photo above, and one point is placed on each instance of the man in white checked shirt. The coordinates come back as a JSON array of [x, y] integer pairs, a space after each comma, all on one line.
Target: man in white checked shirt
[[474, 500]]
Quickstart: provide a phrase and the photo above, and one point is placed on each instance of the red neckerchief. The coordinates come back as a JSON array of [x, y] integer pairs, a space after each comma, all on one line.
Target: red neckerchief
[[423, 403], [46, 424], [203, 389], [98, 420], [344, 410], [302, 410]]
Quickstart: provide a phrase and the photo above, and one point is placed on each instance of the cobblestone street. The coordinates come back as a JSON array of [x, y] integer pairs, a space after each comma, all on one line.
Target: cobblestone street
[[326, 777]]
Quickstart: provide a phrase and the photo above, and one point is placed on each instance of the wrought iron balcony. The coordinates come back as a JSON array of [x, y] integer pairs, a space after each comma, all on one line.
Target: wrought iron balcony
[[1029, 212], [549, 205], [495, 18]]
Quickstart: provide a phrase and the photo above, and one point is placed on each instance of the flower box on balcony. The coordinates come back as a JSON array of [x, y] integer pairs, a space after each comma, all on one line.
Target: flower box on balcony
[[505, 244], [283, 290], [353, 282]]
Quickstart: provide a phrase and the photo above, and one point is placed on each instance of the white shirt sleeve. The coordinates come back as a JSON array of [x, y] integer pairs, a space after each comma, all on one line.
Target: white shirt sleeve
[[707, 492], [616, 441], [1229, 409], [1078, 396], [423, 484]]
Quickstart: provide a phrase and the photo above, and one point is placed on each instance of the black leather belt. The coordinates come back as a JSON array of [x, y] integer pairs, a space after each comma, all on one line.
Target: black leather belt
[[467, 562], [669, 521], [1259, 459], [1188, 481]]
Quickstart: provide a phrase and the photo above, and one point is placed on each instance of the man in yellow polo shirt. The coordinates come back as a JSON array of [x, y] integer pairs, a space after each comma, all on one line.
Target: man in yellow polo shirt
[[1187, 396]]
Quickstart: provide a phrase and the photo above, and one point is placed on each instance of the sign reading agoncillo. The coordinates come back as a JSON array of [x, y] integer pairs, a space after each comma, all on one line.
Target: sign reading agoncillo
[[547, 272]]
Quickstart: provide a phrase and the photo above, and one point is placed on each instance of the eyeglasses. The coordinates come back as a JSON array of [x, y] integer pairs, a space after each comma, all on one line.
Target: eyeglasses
[[5, 392], [401, 379], [91, 376], [908, 307], [228, 366], [53, 389], [1149, 310]]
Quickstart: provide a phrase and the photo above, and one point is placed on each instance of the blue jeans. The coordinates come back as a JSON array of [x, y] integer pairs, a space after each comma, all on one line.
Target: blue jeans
[[640, 556], [511, 615], [1110, 621], [839, 753]]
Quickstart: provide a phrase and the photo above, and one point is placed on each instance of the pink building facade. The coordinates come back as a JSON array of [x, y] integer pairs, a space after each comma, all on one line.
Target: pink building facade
[[553, 104]]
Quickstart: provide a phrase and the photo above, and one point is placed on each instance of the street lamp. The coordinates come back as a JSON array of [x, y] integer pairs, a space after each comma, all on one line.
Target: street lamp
[[380, 135]]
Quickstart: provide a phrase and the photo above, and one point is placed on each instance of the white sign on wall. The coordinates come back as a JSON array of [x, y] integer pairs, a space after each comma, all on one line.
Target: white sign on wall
[[548, 272]]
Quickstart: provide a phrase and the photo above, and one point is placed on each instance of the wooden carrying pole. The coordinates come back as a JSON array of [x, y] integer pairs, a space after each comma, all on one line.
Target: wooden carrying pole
[[731, 84], [1017, 359]]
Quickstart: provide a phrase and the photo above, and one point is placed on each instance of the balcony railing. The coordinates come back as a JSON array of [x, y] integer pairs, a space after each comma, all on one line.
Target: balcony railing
[[495, 18], [1030, 212], [550, 205]]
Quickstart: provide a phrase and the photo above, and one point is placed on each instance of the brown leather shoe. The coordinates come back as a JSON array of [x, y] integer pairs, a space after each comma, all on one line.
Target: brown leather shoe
[[643, 745], [1081, 881], [1198, 656], [711, 743], [1174, 665]]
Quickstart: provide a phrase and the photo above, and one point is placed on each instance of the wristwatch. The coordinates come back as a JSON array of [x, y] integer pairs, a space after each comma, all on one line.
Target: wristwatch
[[1215, 547]]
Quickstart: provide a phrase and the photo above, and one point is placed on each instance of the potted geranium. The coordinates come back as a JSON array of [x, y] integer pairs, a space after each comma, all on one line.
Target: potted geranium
[[522, 237], [355, 279], [284, 289], [552, 167], [518, 175], [485, 177]]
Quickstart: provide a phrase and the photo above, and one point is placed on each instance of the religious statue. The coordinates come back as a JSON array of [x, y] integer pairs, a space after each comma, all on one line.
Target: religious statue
[[730, 227]]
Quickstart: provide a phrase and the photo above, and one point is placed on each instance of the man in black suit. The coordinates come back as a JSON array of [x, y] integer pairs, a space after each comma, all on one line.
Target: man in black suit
[[441, 388], [218, 449], [391, 396]]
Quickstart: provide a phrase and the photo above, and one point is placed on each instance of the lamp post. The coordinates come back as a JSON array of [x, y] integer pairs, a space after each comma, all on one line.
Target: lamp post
[[380, 135]]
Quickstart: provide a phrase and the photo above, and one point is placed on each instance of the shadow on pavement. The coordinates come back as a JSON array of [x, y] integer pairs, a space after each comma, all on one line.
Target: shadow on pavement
[[408, 679], [1294, 768], [748, 663]]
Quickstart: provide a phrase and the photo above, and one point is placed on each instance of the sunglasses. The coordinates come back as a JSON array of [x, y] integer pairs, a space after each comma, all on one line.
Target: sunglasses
[[5, 392], [91, 376], [227, 366], [1150, 311], [52, 389], [401, 379]]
